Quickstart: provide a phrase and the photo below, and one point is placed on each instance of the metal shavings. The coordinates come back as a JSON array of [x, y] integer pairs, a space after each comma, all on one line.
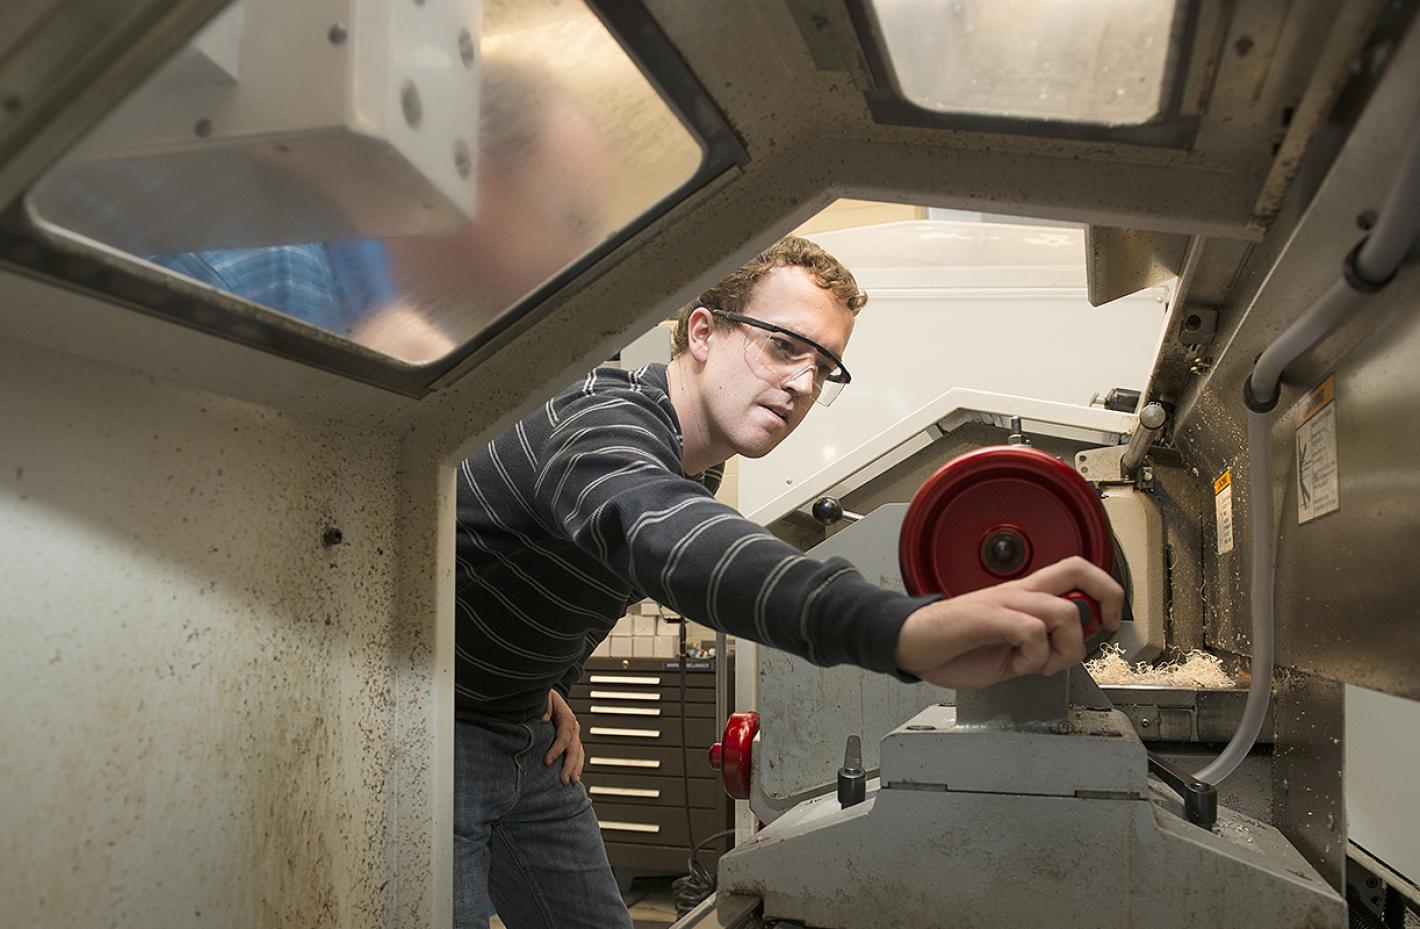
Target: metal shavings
[[1197, 669]]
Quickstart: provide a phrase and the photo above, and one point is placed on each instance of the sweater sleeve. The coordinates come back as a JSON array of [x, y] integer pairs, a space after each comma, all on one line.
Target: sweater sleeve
[[610, 478]]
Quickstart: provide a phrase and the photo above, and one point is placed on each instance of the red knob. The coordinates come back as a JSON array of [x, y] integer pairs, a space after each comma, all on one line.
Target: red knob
[[1089, 609], [731, 755], [996, 514]]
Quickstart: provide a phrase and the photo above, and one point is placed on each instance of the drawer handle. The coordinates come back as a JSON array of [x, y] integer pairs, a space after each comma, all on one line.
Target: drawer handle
[[624, 695], [622, 679], [627, 710], [612, 825], [601, 762], [635, 733], [650, 793]]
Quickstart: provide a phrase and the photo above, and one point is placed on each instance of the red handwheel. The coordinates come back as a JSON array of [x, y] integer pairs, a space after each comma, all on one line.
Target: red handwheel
[[732, 755], [997, 514]]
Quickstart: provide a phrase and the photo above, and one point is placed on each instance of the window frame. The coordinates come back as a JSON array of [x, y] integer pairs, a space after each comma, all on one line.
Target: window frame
[[1171, 128], [117, 277]]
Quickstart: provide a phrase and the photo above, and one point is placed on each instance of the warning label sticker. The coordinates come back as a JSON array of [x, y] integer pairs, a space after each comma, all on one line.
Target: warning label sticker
[[1318, 490], [1223, 506]]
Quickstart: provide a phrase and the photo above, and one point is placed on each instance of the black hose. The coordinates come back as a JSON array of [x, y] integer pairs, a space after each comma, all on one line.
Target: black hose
[[690, 891]]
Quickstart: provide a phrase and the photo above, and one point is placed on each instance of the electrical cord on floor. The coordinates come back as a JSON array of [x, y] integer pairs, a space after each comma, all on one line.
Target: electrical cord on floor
[[688, 892]]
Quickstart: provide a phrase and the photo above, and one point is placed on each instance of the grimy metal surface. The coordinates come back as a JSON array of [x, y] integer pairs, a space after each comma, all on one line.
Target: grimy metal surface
[[1345, 581], [1308, 803], [208, 718]]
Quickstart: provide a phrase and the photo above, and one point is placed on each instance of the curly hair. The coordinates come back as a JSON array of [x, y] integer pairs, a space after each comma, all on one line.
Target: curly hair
[[734, 292]]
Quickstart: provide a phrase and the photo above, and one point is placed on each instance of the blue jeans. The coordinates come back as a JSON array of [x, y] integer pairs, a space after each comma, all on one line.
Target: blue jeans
[[524, 838]]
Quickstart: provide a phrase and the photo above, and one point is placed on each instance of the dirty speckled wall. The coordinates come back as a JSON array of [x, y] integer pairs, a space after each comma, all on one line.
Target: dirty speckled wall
[[200, 697]]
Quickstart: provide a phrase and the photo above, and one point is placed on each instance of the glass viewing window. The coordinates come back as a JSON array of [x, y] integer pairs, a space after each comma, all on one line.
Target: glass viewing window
[[1104, 62], [400, 175]]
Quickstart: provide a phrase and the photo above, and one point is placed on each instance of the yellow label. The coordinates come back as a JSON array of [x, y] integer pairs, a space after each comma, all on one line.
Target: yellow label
[[1223, 482], [1320, 396]]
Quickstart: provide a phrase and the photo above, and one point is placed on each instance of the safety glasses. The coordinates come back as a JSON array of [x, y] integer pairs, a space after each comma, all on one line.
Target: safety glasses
[[782, 356]]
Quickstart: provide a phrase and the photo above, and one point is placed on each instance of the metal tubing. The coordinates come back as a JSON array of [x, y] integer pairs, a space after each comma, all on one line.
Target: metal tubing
[[1399, 221], [1151, 422], [1259, 691], [1377, 260]]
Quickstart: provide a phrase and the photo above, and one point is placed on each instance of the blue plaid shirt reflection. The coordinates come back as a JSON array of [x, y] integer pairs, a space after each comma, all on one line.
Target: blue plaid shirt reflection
[[333, 285]]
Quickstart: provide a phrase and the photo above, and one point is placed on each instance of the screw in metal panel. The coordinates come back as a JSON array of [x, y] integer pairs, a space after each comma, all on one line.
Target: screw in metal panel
[[1144, 723], [332, 536], [337, 34], [203, 128], [467, 50], [1372, 882], [463, 161], [409, 102]]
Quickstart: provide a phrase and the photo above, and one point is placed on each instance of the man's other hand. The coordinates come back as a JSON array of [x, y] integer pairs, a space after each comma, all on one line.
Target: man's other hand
[[997, 633], [568, 741]]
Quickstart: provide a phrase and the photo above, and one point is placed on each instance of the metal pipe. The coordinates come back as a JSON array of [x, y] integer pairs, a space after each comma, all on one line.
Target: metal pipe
[[1151, 423]]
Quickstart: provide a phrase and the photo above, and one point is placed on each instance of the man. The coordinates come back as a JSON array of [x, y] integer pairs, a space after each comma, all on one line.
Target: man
[[605, 495]]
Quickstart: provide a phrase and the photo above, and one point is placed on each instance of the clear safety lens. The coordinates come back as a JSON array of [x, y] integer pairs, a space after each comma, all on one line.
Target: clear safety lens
[[781, 359]]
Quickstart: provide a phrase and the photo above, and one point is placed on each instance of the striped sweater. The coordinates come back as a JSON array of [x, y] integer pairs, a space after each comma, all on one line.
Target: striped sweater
[[583, 508]]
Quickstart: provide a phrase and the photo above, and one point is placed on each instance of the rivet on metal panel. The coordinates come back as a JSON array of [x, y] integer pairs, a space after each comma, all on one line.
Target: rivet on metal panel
[[337, 34], [409, 102]]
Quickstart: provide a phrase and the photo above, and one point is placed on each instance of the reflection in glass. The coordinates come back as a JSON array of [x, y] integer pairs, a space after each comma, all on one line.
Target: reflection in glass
[[401, 189], [1087, 61]]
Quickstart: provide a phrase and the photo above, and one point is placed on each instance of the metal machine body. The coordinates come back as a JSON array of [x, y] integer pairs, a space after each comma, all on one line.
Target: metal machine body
[[973, 826], [1036, 776], [807, 712]]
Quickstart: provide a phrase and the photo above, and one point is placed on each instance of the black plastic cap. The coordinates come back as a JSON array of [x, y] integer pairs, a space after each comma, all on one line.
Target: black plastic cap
[[1256, 405], [1353, 275]]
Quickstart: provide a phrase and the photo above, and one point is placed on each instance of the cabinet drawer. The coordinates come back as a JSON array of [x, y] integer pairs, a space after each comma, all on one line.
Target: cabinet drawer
[[667, 691], [653, 825], [606, 787], [646, 759], [598, 729], [587, 710]]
